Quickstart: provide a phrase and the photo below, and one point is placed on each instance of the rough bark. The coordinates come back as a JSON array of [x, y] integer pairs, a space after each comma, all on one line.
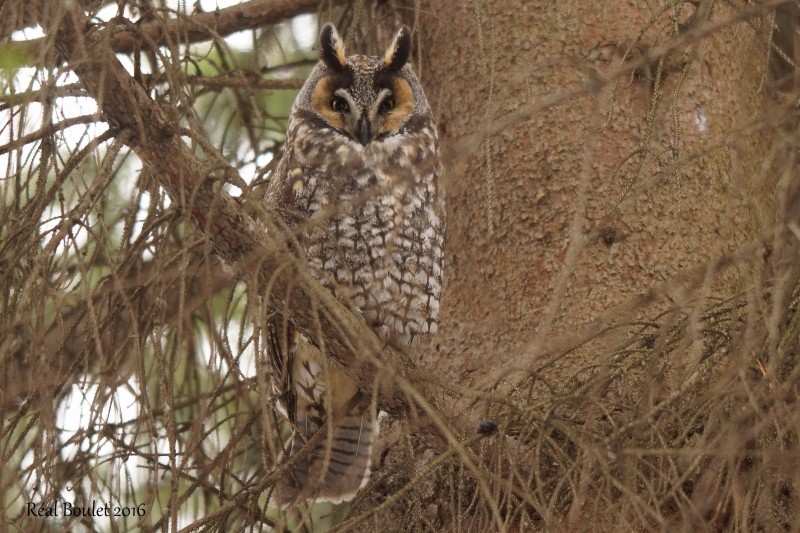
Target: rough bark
[[559, 218], [606, 163]]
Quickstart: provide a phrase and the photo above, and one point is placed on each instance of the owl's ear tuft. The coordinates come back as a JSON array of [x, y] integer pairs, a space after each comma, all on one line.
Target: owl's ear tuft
[[331, 47], [398, 52]]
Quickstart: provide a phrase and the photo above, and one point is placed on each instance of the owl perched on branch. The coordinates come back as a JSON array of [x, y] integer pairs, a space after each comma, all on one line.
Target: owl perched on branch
[[358, 183]]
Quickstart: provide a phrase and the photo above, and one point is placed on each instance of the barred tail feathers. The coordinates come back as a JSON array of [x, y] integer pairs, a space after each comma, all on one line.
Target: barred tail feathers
[[344, 455]]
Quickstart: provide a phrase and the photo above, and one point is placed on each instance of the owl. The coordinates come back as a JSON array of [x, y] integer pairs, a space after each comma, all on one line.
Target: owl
[[358, 186]]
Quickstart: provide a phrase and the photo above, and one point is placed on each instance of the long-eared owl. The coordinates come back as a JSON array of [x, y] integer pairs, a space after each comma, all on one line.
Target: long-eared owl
[[358, 185]]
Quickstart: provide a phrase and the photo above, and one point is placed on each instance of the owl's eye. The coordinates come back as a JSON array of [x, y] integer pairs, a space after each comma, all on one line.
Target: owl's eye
[[387, 105], [339, 104]]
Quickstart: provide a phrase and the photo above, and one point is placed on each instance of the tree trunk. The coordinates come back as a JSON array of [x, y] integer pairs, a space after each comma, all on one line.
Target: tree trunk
[[604, 195], [607, 163]]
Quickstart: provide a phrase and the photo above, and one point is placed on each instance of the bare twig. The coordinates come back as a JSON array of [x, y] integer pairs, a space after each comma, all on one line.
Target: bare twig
[[46, 131], [185, 29]]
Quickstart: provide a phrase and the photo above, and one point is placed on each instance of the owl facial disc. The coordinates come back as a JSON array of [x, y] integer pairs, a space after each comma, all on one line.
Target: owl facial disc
[[366, 98]]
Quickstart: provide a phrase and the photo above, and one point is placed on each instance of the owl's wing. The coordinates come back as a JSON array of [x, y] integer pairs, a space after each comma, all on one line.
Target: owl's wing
[[279, 339], [278, 195], [282, 199]]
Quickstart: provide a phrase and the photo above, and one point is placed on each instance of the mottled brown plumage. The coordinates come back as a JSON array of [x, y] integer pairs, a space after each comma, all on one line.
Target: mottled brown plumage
[[358, 181]]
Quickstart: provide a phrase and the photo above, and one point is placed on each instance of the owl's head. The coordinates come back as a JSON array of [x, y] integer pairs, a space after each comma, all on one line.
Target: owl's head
[[366, 98]]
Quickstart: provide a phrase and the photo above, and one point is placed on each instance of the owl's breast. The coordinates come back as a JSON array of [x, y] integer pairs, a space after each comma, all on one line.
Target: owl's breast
[[374, 234]]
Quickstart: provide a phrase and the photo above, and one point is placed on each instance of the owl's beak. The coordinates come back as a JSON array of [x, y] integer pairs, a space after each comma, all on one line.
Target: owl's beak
[[364, 133]]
